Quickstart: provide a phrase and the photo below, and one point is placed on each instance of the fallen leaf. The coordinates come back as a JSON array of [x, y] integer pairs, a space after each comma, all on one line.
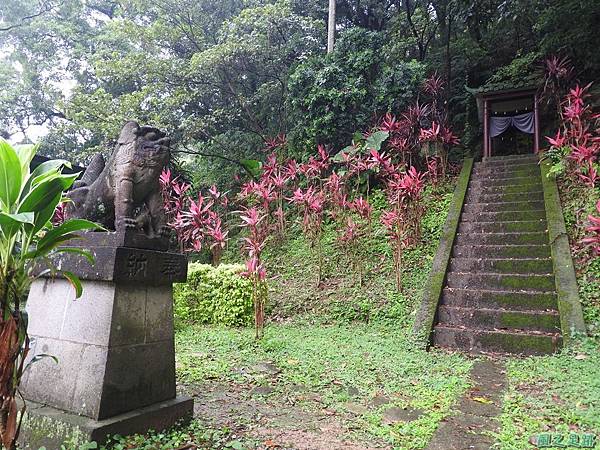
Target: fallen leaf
[[482, 400]]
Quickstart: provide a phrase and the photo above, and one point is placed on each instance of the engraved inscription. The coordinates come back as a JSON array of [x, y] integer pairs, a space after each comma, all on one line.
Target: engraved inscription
[[171, 266], [137, 265]]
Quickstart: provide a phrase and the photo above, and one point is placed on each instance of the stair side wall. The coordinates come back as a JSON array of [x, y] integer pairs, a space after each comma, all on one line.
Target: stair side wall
[[432, 293], [569, 306]]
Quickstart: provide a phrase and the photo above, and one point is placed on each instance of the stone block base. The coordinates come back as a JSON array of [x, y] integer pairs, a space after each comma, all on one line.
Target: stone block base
[[44, 426]]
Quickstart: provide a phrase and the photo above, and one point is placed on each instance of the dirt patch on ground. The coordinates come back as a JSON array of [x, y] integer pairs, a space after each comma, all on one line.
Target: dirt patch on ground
[[290, 420]]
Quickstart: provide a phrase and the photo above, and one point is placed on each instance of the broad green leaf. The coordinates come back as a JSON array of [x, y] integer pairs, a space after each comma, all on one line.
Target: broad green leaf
[[51, 245], [40, 195], [75, 282], [350, 150], [25, 154], [77, 251], [66, 229], [43, 217], [358, 138], [251, 165], [47, 169], [10, 223], [10, 175], [375, 140]]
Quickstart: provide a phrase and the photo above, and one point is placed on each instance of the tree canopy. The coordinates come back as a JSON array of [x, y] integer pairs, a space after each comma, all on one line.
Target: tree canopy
[[223, 77]]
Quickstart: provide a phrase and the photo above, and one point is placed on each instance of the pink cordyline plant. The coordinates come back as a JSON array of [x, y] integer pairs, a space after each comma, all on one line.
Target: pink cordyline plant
[[558, 74], [441, 138], [276, 143], [396, 232], [253, 220], [356, 231], [593, 231], [59, 214], [337, 197], [403, 221], [575, 138], [404, 192], [311, 203], [196, 221]]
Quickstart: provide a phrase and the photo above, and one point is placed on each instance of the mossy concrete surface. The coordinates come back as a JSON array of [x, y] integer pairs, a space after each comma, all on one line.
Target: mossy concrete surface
[[505, 216], [492, 319], [44, 426], [497, 341], [533, 265], [495, 281], [571, 314], [503, 227], [500, 299], [435, 285], [502, 251]]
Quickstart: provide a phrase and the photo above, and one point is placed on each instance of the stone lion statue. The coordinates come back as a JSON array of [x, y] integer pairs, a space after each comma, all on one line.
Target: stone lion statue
[[124, 193]]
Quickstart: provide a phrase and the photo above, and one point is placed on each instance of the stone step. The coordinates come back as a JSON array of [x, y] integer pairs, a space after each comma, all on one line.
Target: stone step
[[503, 216], [525, 205], [479, 183], [532, 186], [493, 319], [493, 173], [508, 299], [510, 159], [519, 238], [501, 251], [501, 281], [478, 341], [502, 265], [479, 197], [503, 226], [506, 165]]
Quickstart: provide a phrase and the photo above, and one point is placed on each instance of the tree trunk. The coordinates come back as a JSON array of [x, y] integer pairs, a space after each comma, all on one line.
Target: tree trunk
[[331, 27]]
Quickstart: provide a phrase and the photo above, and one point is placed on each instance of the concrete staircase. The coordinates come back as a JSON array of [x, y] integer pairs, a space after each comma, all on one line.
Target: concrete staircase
[[500, 293]]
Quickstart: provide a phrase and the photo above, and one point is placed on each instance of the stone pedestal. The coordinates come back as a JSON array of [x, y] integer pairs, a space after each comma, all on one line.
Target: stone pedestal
[[114, 345]]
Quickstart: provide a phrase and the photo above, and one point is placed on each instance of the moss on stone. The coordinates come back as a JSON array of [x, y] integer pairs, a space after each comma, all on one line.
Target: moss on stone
[[519, 251], [41, 431], [514, 319], [537, 301], [523, 265], [518, 239], [520, 343], [571, 314], [433, 290], [512, 188], [530, 282]]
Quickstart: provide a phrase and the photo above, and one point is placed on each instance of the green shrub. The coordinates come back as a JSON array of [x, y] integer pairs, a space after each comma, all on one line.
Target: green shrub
[[214, 295]]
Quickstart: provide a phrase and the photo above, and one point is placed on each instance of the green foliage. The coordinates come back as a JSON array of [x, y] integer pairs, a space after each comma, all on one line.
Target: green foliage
[[214, 295], [559, 393], [340, 298], [27, 203], [578, 203], [333, 96], [195, 433]]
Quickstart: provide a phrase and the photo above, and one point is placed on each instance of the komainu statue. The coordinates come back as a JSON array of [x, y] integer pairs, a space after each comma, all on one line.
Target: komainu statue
[[124, 193]]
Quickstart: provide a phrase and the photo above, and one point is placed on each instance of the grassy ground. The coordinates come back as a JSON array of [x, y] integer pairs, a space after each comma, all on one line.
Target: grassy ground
[[335, 372]]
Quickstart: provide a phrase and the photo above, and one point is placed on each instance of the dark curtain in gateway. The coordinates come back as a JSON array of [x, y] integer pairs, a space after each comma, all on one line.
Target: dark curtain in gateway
[[522, 122]]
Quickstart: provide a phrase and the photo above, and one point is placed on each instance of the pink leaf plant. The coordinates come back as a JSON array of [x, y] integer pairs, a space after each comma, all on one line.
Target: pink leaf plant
[[254, 221], [593, 231], [196, 221]]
